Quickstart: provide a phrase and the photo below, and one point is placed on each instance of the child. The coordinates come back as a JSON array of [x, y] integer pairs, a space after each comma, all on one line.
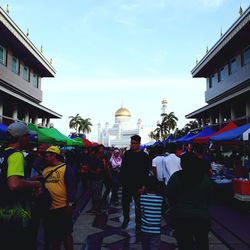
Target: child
[[151, 207]]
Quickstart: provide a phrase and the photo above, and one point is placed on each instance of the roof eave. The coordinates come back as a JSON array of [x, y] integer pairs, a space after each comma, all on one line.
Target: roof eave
[[23, 39], [230, 33]]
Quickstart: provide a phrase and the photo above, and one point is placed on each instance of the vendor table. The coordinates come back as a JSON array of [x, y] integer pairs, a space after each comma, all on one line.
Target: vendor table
[[242, 197]]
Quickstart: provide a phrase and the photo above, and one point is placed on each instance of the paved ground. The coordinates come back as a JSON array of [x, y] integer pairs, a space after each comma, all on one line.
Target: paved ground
[[104, 232]]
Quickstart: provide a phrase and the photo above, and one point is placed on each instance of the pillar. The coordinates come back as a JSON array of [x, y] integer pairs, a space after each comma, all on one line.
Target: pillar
[[35, 119], [26, 116], [248, 108], [211, 118], [47, 122], [43, 122], [1, 109], [15, 111], [233, 112], [203, 123], [221, 115]]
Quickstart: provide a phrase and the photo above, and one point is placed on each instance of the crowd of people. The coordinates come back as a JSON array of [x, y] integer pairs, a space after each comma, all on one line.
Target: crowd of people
[[161, 182]]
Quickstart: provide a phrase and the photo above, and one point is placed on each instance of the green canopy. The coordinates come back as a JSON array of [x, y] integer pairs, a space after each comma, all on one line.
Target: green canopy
[[53, 136]]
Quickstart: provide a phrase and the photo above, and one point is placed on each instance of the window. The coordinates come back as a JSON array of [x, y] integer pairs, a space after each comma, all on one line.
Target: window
[[2, 55], [246, 56], [34, 80], [26, 73], [221, 74], [212, 81], [15, 65], [232, 66]]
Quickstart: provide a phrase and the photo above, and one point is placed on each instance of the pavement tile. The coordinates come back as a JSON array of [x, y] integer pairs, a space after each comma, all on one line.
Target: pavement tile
[[112, 238]]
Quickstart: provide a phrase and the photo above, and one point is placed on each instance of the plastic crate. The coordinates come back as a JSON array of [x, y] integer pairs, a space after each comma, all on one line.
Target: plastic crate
[[241, 187]]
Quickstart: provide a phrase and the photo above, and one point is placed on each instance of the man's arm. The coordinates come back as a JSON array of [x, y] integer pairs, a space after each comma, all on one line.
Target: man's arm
[[19, 183]]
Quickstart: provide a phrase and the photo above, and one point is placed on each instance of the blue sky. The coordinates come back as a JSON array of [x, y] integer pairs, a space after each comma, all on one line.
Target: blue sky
[[135, 51]]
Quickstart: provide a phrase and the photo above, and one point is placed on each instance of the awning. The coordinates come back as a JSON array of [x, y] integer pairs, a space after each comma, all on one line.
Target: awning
[[246, 135], [53, 136], [205, 139], [183, 138], [3, 131], [235, 134], [205, 132]]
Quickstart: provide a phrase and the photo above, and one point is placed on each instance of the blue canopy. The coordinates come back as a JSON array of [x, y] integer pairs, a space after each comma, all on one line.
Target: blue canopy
[[157, 143], [181, 139], [3, 131], [205, 132], [168, 139], [142, 147], [235, 134]]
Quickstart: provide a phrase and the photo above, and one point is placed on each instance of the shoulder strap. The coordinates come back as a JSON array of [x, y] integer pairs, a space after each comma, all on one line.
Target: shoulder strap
[[48, 175]]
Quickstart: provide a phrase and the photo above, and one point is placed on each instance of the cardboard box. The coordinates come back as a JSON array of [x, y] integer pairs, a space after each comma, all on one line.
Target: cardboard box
[[241, 187]]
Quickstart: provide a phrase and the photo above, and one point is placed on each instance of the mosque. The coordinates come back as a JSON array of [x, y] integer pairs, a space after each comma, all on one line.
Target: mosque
[[119, 135]]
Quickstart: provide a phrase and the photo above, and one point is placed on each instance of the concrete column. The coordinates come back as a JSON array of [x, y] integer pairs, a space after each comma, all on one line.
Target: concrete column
[[1, 109], [221, 115], [26, 116], [47, 122], [233, 112], [199, 122], [248, 107], [15, 111], [203, 122], [43, 122], [35, 119], [212, 118]]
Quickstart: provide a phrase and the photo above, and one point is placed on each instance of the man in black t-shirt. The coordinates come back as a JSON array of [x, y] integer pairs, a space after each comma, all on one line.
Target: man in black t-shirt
[[134, 171]]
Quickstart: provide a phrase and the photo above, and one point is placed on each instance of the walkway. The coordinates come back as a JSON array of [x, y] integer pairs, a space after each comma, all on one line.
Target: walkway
[[104, 232]]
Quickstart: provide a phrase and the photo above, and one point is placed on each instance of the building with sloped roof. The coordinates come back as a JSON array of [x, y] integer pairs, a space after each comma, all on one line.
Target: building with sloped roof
[[22, 67], [226, 68]]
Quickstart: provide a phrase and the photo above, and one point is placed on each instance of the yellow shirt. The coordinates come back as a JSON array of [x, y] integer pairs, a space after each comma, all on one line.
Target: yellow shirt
[[56, 186]]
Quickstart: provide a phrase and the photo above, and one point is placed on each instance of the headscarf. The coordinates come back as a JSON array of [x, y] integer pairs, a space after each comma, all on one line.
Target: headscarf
[[116, 161]]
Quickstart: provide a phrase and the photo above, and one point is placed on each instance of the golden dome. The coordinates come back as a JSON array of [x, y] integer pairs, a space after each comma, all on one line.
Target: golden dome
[[122, 112]]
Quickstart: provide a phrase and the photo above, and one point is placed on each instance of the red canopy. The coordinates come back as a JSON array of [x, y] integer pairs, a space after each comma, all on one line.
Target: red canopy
[[204, 139], [88, 143]]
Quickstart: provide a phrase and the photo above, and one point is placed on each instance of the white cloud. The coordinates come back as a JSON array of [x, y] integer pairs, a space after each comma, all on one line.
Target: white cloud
[[211, 3], [99, 99]]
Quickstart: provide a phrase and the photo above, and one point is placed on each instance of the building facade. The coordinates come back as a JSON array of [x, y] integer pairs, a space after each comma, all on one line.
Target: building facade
[[22, 67], [226, 68], [120, 133]]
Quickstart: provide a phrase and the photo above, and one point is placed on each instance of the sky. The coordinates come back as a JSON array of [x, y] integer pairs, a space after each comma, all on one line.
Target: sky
[[135, 52]]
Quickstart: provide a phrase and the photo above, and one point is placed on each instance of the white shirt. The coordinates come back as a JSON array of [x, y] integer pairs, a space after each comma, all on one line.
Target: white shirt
[[172, 163], [158, 163]]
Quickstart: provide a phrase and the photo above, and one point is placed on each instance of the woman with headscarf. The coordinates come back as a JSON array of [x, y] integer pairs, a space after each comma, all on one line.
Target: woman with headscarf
[[115, 162]]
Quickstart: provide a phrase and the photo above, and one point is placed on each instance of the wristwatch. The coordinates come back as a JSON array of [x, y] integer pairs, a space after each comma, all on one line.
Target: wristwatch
[[70, 204]]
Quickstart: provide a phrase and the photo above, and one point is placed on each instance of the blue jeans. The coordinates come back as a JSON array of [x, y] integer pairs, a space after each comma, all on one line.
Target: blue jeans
[[150, 241]]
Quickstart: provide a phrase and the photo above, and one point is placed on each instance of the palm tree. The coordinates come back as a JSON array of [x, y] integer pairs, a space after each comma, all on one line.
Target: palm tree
[[75, 122], [152, 135], [170, 121], [160, 131], [191, 126], [85, 126]]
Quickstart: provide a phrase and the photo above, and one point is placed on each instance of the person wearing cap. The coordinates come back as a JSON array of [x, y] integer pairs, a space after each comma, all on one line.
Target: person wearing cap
[[13, 182], [61, 185]]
